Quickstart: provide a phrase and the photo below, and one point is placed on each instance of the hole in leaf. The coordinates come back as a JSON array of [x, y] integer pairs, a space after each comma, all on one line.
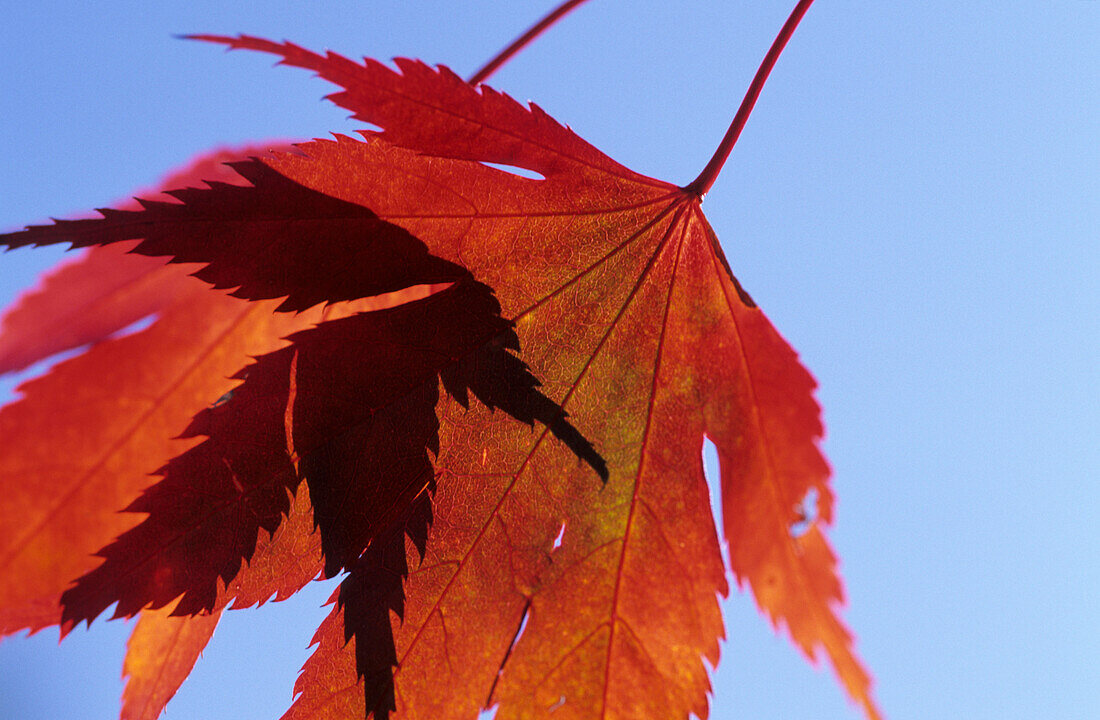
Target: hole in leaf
[[515, 170], [806, 512], [712, 473], [515, 639], [222, 400], [522, 627], [134, 328], [561, 534]]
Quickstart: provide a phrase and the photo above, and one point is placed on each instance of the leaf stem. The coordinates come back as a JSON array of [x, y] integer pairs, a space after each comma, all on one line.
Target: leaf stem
[[523, 40], [700, 185]]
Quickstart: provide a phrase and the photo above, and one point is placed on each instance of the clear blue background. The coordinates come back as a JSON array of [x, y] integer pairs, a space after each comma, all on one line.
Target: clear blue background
[[914, 203]]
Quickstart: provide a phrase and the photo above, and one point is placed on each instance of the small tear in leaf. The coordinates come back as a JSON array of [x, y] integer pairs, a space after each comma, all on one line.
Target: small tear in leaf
[[512, 646], [806, 511], [133, 328], [515, 170], [522, 626], [561, 534], [712, 472], [222, 400]]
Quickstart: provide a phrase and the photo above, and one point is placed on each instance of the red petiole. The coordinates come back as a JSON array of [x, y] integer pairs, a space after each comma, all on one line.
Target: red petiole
[[523, 40], [700, 185]]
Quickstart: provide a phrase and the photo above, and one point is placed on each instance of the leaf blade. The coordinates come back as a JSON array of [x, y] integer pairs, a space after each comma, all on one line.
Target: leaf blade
[[159, 657]]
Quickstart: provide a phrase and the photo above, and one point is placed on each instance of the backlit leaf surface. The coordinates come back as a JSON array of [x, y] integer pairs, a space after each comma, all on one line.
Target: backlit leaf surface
[[508, 573]]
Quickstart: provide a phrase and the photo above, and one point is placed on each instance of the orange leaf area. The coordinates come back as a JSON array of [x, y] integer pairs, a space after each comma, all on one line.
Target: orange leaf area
[[508, 468], [159, 657]]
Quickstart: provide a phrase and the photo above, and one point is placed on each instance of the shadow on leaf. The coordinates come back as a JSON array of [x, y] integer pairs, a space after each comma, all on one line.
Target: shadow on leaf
[[348, 406]]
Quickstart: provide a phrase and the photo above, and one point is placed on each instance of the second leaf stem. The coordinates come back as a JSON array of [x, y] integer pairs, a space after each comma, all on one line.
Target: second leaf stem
[[700, 185], [523, 40]]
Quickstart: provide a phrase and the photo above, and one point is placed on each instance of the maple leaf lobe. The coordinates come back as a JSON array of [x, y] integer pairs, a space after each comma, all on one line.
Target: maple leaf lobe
[[269, 239]]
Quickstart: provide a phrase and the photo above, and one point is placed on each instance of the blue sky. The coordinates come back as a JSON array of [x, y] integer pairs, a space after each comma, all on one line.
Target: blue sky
[[914, 204]]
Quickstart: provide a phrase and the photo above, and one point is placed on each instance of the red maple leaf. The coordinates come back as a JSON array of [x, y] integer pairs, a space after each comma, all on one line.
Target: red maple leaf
[[593, 305]]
